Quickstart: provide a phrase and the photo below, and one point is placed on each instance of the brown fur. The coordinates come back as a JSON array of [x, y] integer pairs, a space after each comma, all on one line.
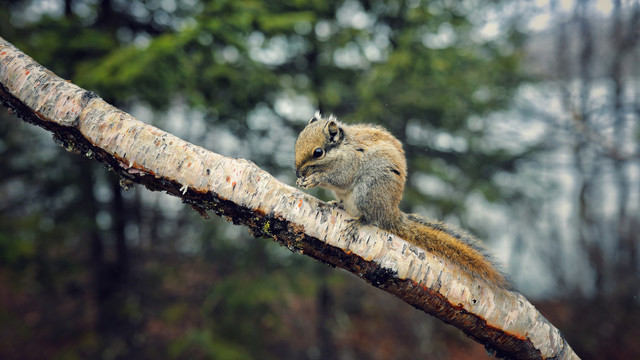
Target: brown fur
[[459, 247]]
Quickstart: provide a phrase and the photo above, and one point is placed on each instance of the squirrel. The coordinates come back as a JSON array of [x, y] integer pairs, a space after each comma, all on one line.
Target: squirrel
[[366, 168]]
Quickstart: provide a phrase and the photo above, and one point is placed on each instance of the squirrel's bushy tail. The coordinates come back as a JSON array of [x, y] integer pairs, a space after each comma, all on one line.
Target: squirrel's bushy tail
[[454, 245]]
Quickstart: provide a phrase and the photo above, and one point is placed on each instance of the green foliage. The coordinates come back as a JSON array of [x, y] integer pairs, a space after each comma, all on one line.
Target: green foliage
[[125, 73], [64, 45]]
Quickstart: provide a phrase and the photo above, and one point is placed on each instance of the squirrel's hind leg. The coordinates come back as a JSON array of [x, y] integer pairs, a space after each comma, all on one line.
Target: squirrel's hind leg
[[354, 226]]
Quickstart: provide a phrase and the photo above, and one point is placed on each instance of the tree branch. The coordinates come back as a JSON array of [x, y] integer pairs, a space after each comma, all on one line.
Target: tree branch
[[504, 321]]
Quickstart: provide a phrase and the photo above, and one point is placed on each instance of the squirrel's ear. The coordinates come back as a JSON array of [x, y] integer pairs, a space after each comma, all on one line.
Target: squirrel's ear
[[333, 132], [317, 116]]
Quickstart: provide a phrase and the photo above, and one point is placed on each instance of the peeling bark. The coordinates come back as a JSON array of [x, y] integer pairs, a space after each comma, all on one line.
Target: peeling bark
[[504, 321]]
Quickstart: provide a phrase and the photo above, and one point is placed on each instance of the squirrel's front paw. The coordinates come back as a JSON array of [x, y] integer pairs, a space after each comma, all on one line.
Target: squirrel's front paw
[[335, 204], [306, 182]]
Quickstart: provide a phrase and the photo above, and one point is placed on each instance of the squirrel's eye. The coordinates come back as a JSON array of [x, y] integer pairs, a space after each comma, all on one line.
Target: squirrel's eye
[[317, 153]]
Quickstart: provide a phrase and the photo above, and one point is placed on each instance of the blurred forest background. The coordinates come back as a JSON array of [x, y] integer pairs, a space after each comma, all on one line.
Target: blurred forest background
[[520, 121]]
